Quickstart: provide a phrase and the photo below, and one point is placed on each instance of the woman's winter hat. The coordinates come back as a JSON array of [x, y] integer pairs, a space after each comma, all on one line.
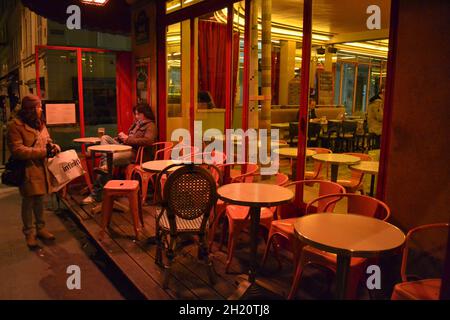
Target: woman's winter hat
[[30, 101]]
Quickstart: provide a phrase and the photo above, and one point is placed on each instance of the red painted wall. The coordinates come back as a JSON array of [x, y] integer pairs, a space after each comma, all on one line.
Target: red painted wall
[[418, 171]]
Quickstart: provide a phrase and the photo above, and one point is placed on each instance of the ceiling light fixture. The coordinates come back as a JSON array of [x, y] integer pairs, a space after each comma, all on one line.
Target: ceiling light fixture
[[95, 2], [320, 50]]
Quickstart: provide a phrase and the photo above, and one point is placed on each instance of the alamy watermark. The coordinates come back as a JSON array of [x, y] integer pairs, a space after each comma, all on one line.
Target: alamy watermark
[[73, 282], [374, 279]]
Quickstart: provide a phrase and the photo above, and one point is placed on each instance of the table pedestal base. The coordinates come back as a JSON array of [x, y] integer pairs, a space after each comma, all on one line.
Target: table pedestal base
[[372, 185], [257, 290]]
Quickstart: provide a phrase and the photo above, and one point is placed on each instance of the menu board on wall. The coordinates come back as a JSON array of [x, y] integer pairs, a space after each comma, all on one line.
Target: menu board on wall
[[60, 113], [326, 95]]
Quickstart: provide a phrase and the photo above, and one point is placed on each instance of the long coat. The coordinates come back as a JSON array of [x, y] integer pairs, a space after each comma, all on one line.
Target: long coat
[[21, 138], [375, 116], [142, 134]]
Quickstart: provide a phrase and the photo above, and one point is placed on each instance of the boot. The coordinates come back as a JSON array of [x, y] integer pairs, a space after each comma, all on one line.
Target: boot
[[30, 238], [45, 234]]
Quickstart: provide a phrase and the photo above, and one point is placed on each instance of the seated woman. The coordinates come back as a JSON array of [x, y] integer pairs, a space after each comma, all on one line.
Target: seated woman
[[142, 133]]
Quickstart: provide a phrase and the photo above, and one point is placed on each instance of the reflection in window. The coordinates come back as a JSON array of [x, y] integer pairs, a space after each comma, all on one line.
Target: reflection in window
[[174, 70], [361, 87], [99, 91], [348, 86], [174, 5]]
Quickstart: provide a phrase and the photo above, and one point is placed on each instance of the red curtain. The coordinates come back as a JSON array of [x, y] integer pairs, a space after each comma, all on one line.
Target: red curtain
[[124, 90], [275, 76], [212, 67]]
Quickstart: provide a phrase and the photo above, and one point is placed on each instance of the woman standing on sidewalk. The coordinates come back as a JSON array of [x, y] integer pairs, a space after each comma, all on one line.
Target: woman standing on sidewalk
[[28, 139]]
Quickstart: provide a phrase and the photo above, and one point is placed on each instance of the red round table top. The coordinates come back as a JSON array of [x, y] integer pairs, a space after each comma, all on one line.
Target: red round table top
[[349, 234], [87, 140], [109, 148], [254, 194]]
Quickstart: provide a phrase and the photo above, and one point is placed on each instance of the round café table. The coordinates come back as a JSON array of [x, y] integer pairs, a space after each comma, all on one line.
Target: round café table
[[159, 165], [348, 235], [369, 167], [335, 159], [292, 154], [255, 196], [87, 140], [109, 149]]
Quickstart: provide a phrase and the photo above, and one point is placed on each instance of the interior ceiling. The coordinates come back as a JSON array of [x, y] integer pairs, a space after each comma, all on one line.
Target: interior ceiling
[[331, 16]]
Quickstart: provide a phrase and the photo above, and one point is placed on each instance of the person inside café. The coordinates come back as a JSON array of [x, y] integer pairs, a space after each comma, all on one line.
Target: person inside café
[[142, 133], [375, 117]]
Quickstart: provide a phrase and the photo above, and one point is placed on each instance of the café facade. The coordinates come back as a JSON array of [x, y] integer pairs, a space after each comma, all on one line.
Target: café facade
[[256, 64]]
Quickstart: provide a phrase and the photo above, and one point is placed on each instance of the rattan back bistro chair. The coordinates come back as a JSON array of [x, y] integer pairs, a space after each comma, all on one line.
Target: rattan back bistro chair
[[188, 197]]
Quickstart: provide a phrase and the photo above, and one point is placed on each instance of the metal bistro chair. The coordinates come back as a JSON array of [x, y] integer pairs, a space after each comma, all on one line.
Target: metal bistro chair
[[281, 232], [246, 173], [189, 196], [314, 129], [162, 152], [330, 138], [347, 135], [422, 263], [293, 133], [356, 204]]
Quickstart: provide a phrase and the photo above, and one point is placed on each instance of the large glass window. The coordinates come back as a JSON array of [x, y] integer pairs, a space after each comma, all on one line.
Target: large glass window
[[337, 84], [174, 5], [99, 91], [61, 87], [178, 116], [361, 87], [348, 84]]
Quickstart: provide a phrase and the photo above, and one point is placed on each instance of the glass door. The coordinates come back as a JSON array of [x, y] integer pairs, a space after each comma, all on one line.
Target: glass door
[[177, 84]]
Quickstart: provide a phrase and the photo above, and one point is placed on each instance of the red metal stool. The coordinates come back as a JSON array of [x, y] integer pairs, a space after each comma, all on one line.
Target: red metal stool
[[122, 188]]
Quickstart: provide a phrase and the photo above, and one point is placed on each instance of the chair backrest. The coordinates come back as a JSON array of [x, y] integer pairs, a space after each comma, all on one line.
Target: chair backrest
[[359, 175], [163, 154], [362, 156], [190, 192], [181, 150], [356, 204], [334, 127], [281, 179], [158, 151], [293, 131], [163, 150], [314, 130], [318, 164], [349, 126], [215, 157], [325, 188], [247, 172], [424, 251]]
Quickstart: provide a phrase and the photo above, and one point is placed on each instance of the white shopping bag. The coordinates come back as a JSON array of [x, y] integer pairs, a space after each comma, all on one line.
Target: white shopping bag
[[64, 167]]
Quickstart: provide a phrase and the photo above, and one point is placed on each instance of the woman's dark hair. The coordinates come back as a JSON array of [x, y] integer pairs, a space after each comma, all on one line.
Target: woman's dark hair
[[29, 116], [375, 97], [145, 109]]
